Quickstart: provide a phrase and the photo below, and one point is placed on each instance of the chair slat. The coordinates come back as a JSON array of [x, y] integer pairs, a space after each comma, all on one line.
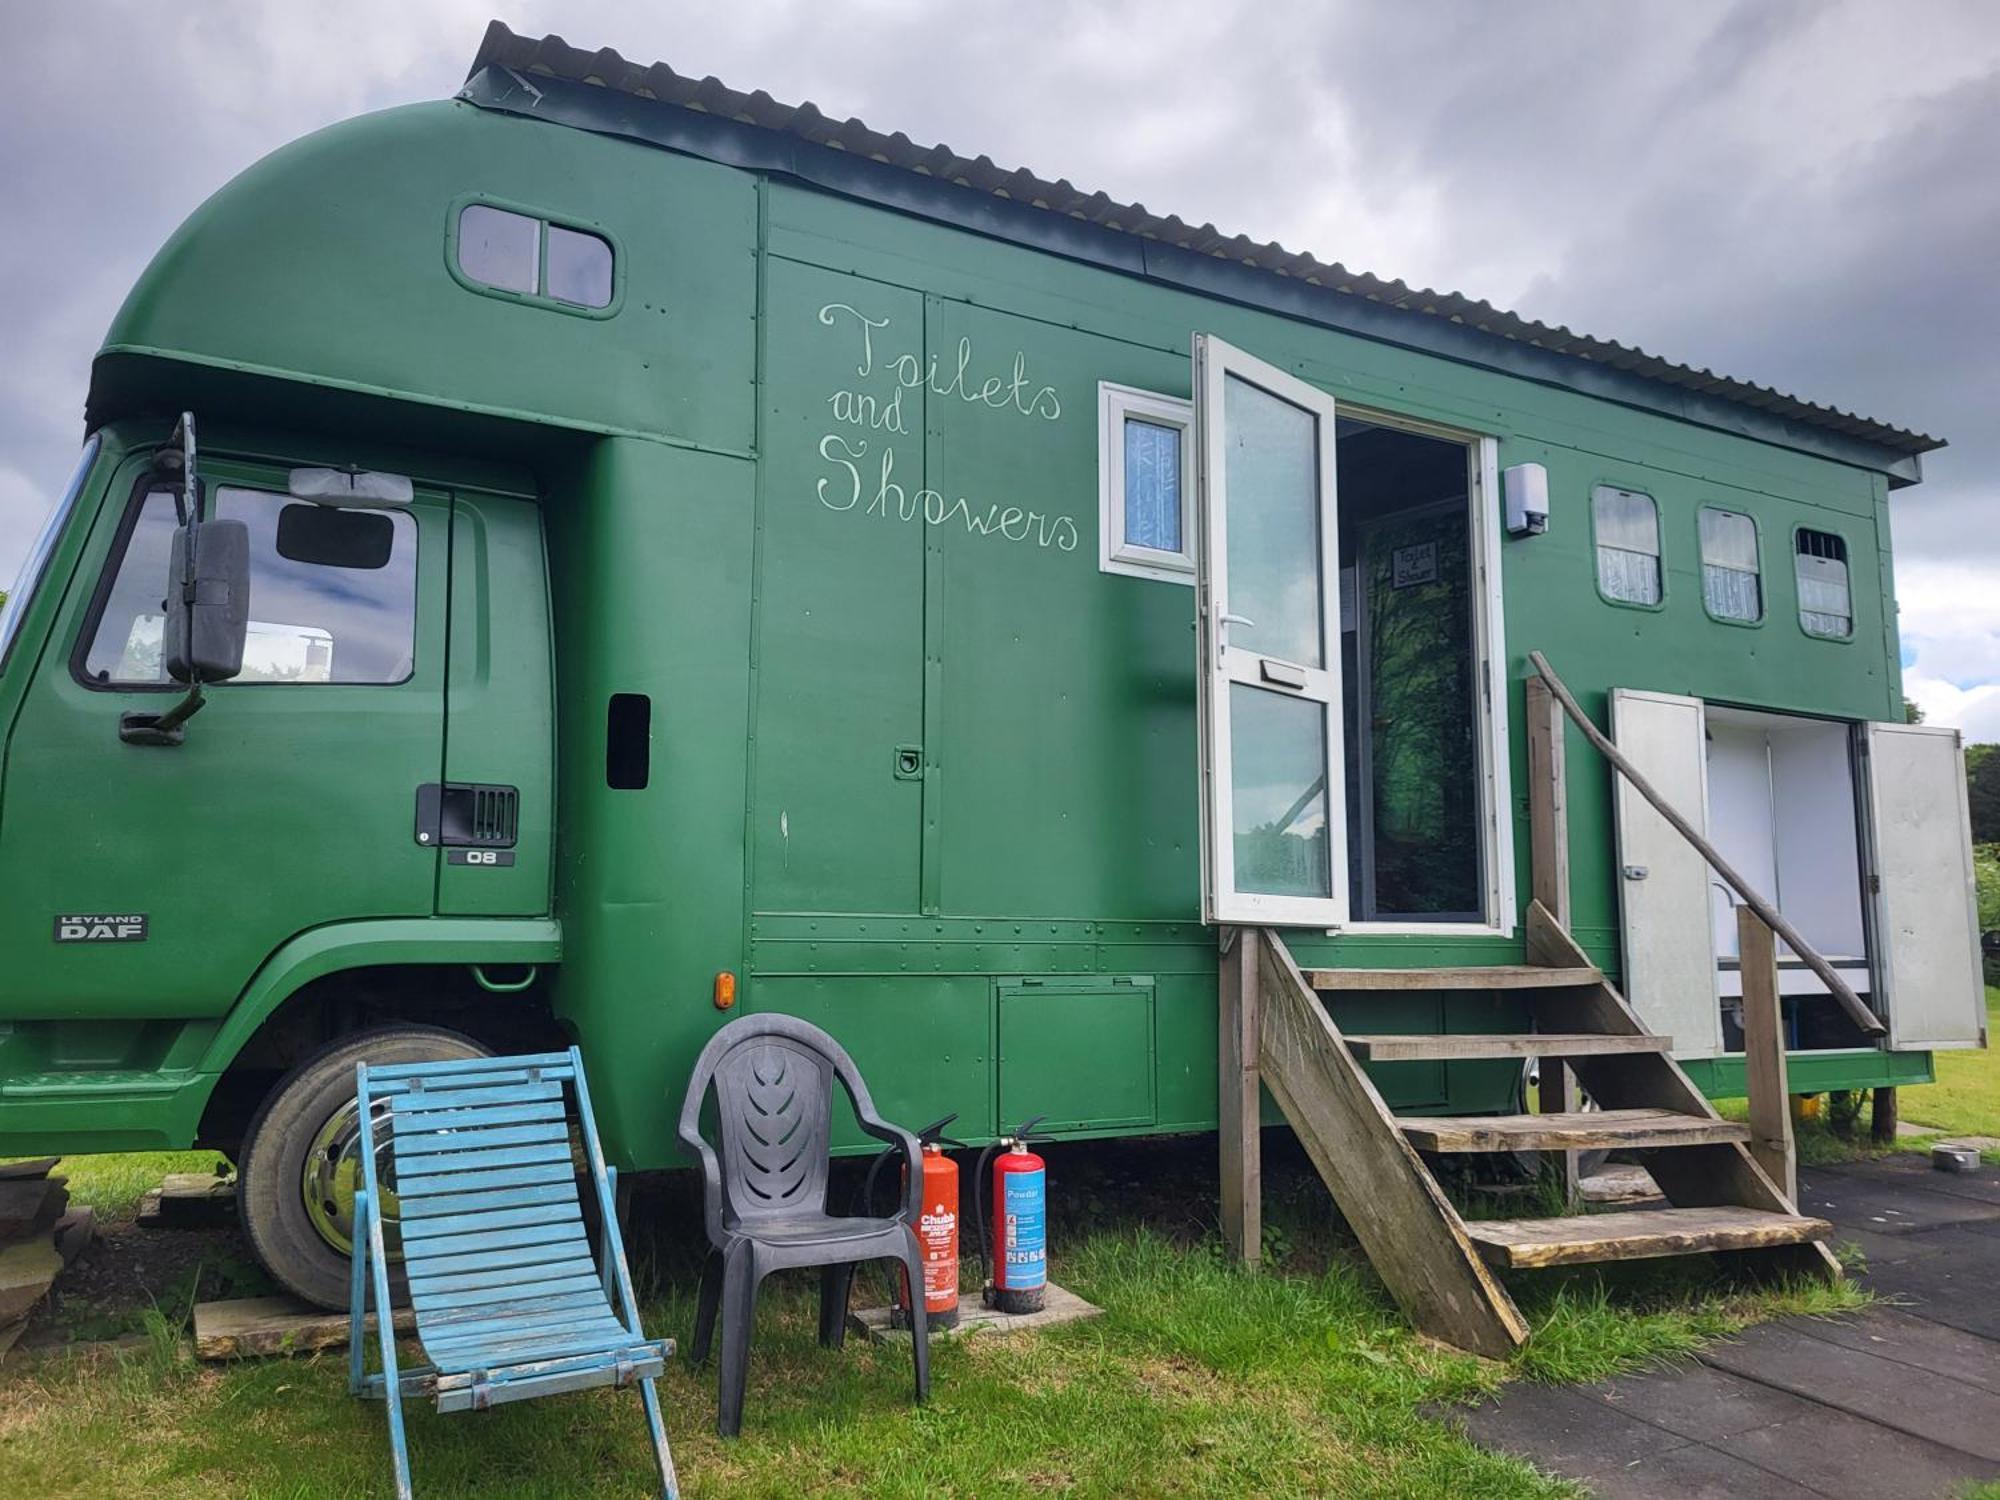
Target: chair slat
[[570, 1246], [521, 1387], [551, 1063], [453, 1205], [410, 1187], [480, 1096], [525, 1280], [420, 1164], [421, 1133], [438, 1246], [596, 1329], [451, 1322], [499, 1295], [524, 1355], [446, 1225]]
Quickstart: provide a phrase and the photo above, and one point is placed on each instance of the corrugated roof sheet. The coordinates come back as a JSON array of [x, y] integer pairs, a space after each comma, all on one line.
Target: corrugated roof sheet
[[552, 57]]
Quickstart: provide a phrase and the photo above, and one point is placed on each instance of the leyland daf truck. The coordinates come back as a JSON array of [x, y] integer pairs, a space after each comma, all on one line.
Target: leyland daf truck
[[606, 552]]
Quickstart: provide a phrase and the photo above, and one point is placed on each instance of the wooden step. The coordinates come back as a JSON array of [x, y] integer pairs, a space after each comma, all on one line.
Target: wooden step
[[1584, 1130], [1490, 977], [1466, 1046], [1518, 1244]]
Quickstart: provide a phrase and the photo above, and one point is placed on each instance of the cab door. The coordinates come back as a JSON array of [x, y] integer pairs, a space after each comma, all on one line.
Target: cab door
[[290, 803]]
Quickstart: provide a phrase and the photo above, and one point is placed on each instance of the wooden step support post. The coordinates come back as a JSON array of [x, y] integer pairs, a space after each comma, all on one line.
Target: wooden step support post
[[1548, 844], [1239, 1102], [1771, 1140], [1409, 1230]]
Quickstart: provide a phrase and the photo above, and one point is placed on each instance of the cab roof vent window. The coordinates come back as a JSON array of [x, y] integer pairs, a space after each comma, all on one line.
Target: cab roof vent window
[[533, 259]]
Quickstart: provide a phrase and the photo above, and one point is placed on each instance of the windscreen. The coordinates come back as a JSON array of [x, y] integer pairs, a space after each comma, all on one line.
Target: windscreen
[[15, 604]]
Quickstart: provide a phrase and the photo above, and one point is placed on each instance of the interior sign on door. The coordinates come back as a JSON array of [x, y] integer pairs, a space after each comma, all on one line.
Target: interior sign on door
[[1414, 564], [100, 927]]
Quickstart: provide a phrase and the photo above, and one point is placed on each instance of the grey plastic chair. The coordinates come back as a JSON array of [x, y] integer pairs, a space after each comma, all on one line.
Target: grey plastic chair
[[764, 1191]]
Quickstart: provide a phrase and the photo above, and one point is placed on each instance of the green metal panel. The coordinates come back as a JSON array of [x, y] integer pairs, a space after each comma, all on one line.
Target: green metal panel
[[499, 700], [289, 806], [1079, 1051], [719, 540], [1817, 1072]]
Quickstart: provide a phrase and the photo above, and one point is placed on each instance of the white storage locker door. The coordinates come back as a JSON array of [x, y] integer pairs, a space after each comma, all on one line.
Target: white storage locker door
[[1663, 884], [1920, 855]]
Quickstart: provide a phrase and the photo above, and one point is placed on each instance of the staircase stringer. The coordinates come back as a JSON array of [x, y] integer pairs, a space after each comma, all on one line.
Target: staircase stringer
[[1688, 1177], [1408, 1228]]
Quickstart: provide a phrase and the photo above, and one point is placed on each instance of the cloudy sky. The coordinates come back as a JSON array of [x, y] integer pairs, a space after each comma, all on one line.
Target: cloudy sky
[[1801, 192]]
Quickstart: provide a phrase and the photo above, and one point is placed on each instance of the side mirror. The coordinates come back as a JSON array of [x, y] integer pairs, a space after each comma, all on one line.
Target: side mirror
[[208, 616]]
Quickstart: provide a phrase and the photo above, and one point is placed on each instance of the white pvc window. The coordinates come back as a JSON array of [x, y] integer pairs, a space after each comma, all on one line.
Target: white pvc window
[[1145, 464], [1627, 524], [1826, 608], [1731, 582]]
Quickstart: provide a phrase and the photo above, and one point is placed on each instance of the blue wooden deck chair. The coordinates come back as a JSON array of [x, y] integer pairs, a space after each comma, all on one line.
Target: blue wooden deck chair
[[509, 1302]]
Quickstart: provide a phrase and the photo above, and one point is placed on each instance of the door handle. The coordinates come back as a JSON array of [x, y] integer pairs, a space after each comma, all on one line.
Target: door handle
[[1235, 620]]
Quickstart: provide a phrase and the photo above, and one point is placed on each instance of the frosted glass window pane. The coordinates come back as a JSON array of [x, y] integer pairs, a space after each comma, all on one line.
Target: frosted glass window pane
[[1731, 593], [1628, 545], [1271, 467], [1152, 485], [1825, 607], [1728, 540], [499, 249], [1628, 577], [1277, 777], [1627, 520], [579, 268]]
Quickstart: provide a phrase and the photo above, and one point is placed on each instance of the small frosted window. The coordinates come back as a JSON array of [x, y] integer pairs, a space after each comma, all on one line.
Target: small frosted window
[[1144, 516], [1628, 545], [1730, 583], [579, 268], [1825, 606], [1152, 486], [500, 249]]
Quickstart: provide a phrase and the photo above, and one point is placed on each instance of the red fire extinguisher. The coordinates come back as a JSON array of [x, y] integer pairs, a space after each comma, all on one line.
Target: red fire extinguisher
[[1017, 1267], [936, 1227]]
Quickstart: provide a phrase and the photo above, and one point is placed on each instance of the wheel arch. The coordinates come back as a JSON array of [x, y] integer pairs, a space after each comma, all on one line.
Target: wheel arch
[[321, 968]]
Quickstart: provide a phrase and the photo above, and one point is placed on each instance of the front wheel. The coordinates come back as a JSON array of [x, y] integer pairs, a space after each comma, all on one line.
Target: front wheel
[[300, 1166]]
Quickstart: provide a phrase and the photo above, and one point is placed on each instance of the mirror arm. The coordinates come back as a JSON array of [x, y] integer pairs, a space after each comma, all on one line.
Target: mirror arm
[[162, 729]]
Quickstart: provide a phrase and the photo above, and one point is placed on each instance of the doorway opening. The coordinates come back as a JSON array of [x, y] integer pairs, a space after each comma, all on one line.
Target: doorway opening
[[1410, 623]]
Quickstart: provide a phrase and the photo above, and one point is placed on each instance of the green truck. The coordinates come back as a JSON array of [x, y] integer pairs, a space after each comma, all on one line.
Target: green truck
[[640, 549]]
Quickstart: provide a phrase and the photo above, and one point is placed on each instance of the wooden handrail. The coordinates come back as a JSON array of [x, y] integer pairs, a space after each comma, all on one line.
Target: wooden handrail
[[1850, 1002]]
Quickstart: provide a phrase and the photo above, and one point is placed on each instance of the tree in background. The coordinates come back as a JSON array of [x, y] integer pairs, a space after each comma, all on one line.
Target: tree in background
[[1982, 786]]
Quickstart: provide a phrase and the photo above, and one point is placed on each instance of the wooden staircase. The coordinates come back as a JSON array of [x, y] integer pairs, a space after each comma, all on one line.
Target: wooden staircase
[[1438, 1265]]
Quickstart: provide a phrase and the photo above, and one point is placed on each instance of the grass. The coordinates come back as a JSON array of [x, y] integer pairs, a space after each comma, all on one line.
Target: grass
[[1200, 1379], [114, 1184], [1965, 1100]]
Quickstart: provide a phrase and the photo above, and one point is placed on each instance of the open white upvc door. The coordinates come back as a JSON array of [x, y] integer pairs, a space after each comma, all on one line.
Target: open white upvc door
[[1274, 846], [1664, 906], [1920, 861]]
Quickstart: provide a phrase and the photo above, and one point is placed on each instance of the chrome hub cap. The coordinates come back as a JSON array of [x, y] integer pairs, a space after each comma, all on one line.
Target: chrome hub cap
[[332, 1177]]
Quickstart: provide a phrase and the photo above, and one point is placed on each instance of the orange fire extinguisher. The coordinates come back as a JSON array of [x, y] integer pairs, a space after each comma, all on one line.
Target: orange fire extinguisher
[[937, 1227]]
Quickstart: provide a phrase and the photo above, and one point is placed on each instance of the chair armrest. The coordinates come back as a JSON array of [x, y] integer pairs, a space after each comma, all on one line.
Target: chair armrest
[[711, 1169], [913, 1156]]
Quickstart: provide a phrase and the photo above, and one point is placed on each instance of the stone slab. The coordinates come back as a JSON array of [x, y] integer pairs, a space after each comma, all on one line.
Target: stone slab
[[1891, 1208], [39, 1166], [26, 1272], [1618, 1182], [257, 1327], [29, 1205], [189, 1200], [73, 1232], [1951, 1286], [1062, 1306]]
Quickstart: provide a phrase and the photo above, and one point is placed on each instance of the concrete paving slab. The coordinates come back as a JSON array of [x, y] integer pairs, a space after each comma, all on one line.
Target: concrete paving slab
[[1693, 1471], [1700, 1403], [1888, 1207], [1827, 1451], [1947, 1411], [1564, 1430], [1897, 1334], [974, 1316], [1952, 1287]]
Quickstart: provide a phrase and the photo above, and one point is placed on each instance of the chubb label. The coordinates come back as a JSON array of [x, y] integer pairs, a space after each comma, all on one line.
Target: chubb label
[[102, 927]]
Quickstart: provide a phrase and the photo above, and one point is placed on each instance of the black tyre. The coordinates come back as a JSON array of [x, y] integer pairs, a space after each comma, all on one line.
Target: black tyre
[[299, 1167]]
